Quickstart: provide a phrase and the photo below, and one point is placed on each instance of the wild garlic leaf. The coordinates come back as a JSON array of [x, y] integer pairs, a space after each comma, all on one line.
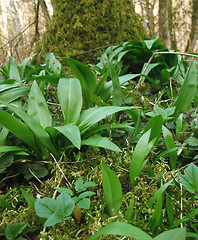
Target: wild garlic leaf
[[190, 178]]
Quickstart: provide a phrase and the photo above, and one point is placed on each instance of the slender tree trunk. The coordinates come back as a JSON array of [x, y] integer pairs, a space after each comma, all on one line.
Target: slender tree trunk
[[193, 38], [163, 22], [45, 11], [150, 17], [173, 42]]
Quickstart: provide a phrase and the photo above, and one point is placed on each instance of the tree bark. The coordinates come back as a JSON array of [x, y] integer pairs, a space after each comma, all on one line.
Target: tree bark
[[193, 38], [163, 22]]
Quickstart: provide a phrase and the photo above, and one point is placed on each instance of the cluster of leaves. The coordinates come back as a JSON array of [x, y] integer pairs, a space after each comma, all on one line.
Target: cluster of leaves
[[166, 132]]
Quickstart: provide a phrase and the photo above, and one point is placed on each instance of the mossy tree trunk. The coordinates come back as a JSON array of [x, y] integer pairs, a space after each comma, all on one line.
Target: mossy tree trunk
[[82, 25]]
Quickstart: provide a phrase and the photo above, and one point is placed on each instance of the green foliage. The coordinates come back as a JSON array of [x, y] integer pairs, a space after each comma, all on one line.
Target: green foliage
[[190, 178], [12, 232], [55, 210], [112, 189], [125, 229]]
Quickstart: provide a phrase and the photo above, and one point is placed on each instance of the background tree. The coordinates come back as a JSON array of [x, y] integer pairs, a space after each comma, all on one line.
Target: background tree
[[193, 37]]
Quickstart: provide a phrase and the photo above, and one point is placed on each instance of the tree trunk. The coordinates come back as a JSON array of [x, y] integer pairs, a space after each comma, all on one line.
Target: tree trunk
[[45, 12], [163, 22], [80, 26], [193, 38]]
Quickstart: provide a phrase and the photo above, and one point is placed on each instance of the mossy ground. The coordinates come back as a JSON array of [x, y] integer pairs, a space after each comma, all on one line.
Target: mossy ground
[[97, 216]]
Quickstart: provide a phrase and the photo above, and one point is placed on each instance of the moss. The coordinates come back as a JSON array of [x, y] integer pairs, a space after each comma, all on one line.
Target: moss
[[79, 26]]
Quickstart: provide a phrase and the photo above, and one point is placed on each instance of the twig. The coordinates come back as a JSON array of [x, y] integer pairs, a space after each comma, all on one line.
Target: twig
[[155, 53], [181, 215], [17, 35], [68, 183], [35, 176]]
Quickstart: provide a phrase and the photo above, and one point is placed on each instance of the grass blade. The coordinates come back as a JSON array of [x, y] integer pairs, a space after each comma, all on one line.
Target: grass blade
[[187, 91], [117, 93], [138, 157], [112, 189], [168, 138]]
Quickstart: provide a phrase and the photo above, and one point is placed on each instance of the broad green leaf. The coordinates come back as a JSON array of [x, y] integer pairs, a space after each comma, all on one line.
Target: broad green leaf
[[84, 203], [129, 211], [157, 215], [168, 138], [86, 194], [149, 68], [166, 152], [38, 130], [179, 126], [46, 207], [53, 63], [190, 215], [11, 149], [173, 234], [72, 132], [112, 189], [99, 128], [192, 141], [155, 124], [103, 142], [14, 71], [14, 93], [188, 90], [85, 75], [93, 115], [53, 219], [122, 229], [170, 211], [100, 83], [190, 178], [24, 64], [6, 160], [65, 190], [18, 128], [29, 199], [149, 43], [70, 98], [79, 185], [66, 204], [12, 232], [37, 107], [159, 192], [117, 93], [139, 156], [5, 204]]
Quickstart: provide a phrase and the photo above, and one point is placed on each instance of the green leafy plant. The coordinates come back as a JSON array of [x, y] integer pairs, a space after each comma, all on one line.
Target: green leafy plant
[[81, 194], [125, 229], [54, 210], [112, 189], [190, 178], [13, 232]]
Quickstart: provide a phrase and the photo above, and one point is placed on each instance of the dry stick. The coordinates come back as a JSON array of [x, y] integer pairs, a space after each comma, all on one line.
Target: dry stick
[[174, 53], [17, 35], [68, 183], [35, 176]]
